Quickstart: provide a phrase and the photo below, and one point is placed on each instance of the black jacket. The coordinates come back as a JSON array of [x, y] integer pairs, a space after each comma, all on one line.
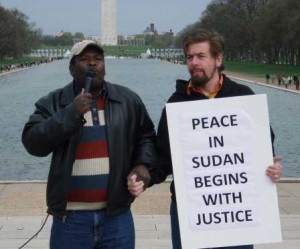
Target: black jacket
[[229, 89], [55, 127]]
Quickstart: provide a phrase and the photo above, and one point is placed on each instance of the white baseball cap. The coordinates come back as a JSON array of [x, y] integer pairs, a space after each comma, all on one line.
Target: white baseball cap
[[82, 45]]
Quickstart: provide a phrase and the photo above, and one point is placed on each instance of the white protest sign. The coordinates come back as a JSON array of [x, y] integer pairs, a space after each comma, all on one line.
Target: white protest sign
[[220, 150]]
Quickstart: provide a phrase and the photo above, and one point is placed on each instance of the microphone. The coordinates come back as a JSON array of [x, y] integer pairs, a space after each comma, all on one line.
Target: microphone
[[90, 75]]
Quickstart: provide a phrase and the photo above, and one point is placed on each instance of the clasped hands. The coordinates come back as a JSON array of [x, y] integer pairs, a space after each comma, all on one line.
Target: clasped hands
[[139, 177]]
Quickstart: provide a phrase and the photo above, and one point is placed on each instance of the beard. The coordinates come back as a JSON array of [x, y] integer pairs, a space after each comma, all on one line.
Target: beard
[[199, 81], [202, 81]]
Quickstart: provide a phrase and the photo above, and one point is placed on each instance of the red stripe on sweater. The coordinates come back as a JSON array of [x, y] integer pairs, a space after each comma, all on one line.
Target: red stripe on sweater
[[98, 195], [90, 150], [101, 103]]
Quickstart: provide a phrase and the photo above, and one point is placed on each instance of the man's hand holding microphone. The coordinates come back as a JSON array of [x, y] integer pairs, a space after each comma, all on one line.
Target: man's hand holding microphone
[[83, 101]]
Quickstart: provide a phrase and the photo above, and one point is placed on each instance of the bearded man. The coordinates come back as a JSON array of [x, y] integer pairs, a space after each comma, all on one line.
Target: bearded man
[[204, 57]]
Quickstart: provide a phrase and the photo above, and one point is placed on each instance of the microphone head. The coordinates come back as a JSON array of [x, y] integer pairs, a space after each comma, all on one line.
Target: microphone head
[[91, 73]]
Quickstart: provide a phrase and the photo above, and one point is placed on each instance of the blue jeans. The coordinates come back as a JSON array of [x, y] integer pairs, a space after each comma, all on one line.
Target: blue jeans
[[176, 242], [93, 230]]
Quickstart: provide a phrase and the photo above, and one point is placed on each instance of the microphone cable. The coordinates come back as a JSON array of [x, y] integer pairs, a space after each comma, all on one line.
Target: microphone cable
[[35, 233]]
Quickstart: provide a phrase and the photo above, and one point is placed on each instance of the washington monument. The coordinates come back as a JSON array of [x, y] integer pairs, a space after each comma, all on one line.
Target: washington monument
[[109, 22]]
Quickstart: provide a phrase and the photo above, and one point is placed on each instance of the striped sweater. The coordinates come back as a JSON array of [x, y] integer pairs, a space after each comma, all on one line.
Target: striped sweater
[[91, 168]]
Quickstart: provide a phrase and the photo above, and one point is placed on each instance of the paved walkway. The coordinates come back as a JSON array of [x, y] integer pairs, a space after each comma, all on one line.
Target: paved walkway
[[261, 81], [22, 213]]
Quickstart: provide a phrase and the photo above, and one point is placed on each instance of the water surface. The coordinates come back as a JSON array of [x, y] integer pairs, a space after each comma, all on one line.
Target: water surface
[[153, 80]]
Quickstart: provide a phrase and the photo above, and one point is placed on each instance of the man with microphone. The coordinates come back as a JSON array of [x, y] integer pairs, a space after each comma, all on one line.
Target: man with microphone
[[101, 139]]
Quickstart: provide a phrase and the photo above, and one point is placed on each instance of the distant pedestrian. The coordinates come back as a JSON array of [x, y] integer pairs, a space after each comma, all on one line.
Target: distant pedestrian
[[290, 80], [297, 84], [279, 77], [273, 78], [267, 78], [295, 78], [285, 80]]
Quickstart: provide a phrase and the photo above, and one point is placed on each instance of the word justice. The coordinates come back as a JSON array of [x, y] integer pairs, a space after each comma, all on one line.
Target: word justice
[[224, 217]]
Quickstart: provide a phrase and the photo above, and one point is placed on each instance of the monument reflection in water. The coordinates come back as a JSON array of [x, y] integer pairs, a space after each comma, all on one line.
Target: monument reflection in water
[[153, 80]]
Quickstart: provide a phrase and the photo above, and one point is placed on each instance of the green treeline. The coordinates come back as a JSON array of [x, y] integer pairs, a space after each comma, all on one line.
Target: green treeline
[[17, 35], [259, 31], [265, 31]]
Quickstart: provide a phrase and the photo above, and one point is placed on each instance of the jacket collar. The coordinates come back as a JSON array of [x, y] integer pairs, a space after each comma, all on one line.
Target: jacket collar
[[67, 94], [112, 92]]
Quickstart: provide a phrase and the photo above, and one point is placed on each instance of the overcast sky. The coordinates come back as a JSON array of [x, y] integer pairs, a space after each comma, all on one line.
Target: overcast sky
[[133, 16]]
